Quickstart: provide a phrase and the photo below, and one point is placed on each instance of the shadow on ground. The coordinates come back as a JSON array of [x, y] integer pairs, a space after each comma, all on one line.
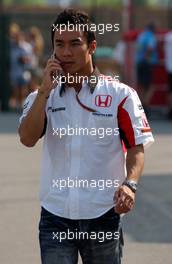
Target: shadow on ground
[[151, 220], [9, 123]]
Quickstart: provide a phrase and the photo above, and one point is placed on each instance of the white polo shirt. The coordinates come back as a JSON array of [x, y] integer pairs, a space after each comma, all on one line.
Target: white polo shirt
[[81, 172]]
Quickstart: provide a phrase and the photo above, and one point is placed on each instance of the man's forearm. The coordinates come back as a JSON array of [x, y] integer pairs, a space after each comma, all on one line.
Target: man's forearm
[[135, 162], [125, 197], [32, 125]]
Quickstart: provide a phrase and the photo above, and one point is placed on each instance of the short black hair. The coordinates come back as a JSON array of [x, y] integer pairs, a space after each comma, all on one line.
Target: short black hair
[[151, 26], [74, 17]]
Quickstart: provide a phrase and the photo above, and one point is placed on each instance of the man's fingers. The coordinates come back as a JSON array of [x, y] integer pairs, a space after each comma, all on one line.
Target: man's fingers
[[121, 209], [124, 203], [117, 195], [121, 196], [53, 60], [55, 66], [52, 70], [128, 202]]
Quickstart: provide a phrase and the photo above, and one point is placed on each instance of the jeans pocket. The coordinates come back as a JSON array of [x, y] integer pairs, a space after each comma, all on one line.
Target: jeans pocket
[[111, 215], [109, 222], [47, 219], [45, 213]]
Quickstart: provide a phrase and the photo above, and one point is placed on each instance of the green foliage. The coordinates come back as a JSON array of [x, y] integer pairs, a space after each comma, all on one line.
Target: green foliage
[[120, 2], [141, 2], [92, 3], [23, 2], [101, 2]]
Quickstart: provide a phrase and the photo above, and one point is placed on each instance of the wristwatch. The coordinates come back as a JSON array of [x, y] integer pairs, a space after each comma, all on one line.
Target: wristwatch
[[131, 184]]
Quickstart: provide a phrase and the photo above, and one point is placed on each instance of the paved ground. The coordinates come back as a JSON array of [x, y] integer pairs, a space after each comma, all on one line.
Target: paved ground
[[148, 232]]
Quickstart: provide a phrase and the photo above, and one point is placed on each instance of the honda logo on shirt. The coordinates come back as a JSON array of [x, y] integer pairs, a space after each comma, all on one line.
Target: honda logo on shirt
[[103, 100]]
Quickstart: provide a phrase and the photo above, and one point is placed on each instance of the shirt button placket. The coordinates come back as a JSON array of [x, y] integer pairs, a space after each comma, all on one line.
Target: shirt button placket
[[75, 162]]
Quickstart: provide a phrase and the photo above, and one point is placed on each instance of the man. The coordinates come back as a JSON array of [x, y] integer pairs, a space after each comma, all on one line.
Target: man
[[78, 213], [168, 66], [20, 55], [146, 59]]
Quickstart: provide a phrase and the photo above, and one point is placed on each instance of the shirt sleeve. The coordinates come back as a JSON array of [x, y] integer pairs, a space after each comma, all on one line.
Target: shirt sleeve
[[27, 105], [133, 124]]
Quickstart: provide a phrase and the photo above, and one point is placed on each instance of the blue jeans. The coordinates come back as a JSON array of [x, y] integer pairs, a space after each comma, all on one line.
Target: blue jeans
[[98, 240]]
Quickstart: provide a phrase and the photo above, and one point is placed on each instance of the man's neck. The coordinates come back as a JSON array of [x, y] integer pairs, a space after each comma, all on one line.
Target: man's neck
[[84, 73]]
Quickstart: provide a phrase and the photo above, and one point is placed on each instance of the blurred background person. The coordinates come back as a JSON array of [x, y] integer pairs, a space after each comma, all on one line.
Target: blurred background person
[[146, 59], [119, 57], [168, 66], [20, 57], [36, 40]]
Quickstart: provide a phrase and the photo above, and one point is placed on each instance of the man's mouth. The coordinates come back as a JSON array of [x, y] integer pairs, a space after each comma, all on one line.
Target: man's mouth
[[67, 63]]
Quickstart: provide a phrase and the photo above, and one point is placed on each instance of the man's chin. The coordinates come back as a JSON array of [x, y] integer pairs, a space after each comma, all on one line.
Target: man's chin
[[70, 72]]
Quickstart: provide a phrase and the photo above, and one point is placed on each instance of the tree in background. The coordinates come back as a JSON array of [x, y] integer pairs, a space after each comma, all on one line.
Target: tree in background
[[88, 2], [23, 2]]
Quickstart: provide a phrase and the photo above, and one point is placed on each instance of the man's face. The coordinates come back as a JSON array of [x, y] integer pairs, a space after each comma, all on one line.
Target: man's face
[[72, 50]]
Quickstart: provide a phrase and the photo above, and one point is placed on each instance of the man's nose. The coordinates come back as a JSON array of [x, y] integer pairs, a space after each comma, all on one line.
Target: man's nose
[[67, 51]]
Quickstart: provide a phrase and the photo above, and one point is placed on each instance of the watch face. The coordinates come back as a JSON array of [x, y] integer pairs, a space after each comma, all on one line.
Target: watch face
[[134, 186], [131, 185]]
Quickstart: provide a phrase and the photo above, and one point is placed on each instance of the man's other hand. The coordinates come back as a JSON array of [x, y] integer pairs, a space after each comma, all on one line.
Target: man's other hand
[[124, 200]]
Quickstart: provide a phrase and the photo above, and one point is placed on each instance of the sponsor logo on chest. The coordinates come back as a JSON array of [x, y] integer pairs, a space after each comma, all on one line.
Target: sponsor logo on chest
[[103, 100]]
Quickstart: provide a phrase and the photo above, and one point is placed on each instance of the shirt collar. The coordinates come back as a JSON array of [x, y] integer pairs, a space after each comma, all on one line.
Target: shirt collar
[[92, 82]]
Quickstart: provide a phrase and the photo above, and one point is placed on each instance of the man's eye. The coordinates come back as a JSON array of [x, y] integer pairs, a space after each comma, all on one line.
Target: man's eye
[[75, 44], [58, 45]]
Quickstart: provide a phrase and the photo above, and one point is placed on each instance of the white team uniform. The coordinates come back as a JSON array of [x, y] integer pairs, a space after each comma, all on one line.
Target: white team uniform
[[90, 157]]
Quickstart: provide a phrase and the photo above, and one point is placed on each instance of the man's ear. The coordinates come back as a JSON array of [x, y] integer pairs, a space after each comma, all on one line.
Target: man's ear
[[92, 47]]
